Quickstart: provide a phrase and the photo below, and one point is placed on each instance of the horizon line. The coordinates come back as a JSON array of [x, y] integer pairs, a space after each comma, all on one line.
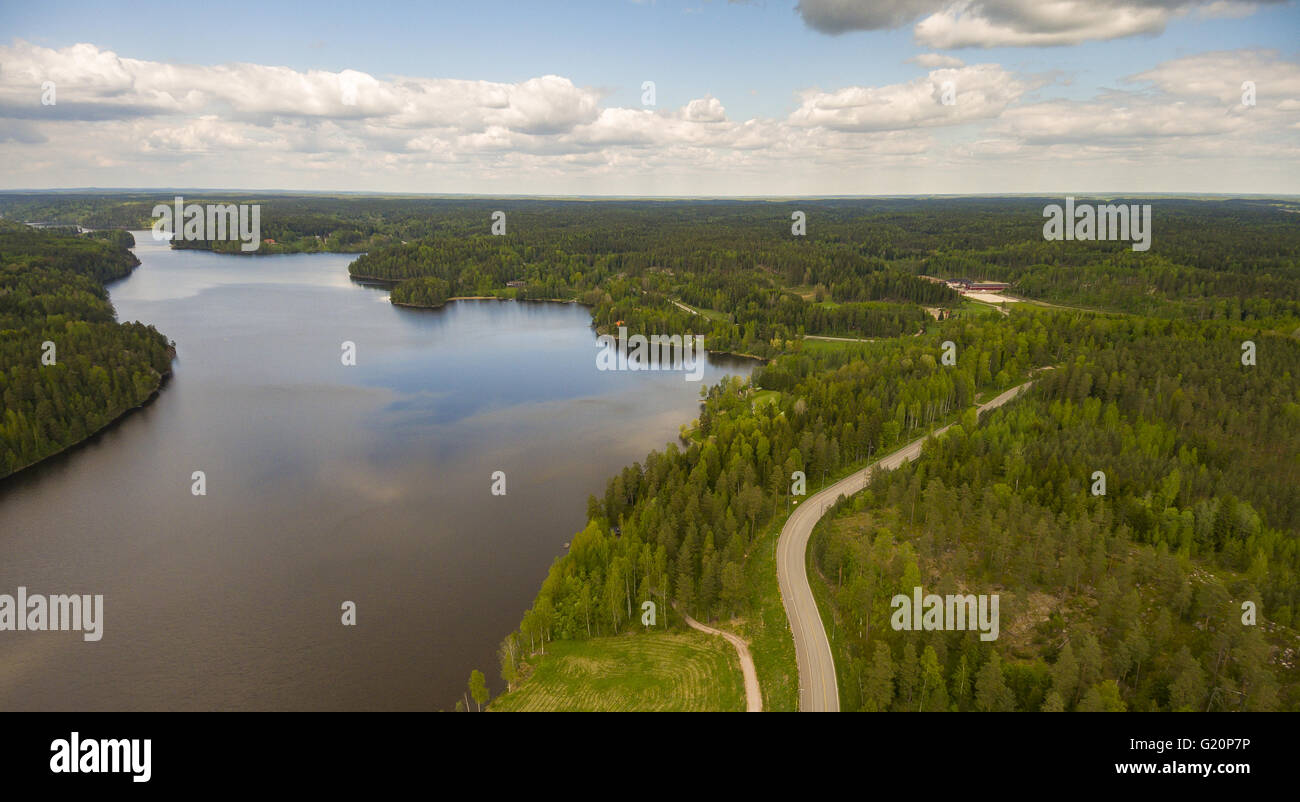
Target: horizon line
[[572, 196]]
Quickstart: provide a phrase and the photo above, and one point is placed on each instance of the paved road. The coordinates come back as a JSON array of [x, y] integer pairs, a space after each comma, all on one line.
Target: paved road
[[753, 696], [818, 689]]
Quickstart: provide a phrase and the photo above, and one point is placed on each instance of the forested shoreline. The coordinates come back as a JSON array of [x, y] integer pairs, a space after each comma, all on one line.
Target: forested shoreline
[[1213, 258], [1127, 600], [67, 367], [661, 271], [1152, 575], [1191, 521]]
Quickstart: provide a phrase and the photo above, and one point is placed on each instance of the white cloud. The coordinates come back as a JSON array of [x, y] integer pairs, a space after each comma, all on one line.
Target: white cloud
[[88, 78], [705, 110], [934, 60], [1184, 109], [1095, 123], [981, 91], [949, 24], [1219, 76], [127, 122], [1020, 23]]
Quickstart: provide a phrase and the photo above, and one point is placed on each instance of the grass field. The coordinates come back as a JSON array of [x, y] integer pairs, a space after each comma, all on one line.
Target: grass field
[[767, 629], [663, 671], [814, 346]]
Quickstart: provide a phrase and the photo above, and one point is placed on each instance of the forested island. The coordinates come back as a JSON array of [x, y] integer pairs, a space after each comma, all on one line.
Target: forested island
[[67, 367]]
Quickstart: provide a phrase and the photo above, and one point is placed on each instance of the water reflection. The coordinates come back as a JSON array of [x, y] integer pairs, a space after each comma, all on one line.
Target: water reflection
[[325, 483]]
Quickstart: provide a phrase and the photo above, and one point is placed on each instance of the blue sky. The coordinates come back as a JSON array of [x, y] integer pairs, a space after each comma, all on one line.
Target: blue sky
[[755, 58]]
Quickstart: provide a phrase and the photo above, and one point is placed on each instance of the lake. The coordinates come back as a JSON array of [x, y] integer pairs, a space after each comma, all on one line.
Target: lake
[[325, 483]]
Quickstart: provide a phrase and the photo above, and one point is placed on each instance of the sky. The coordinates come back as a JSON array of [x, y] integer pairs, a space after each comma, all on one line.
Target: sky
[[765, 98]]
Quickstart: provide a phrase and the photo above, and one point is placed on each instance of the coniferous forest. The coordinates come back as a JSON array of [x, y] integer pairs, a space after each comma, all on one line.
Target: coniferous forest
[[1134, 598], [1128, 600], [67, 366]]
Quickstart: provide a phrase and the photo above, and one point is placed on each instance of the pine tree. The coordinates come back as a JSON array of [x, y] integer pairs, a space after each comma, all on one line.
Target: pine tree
[[879, 691], [991, 691]]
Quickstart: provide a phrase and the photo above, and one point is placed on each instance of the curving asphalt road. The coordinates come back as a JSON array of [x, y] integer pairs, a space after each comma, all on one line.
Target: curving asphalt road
[[818, 689]]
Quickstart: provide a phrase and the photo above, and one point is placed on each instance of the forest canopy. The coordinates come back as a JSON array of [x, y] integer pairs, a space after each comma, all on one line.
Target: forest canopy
[[1127, 600], [67, 367]]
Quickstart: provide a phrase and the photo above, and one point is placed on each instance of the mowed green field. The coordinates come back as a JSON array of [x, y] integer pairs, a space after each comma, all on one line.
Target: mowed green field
[[637, 671]]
